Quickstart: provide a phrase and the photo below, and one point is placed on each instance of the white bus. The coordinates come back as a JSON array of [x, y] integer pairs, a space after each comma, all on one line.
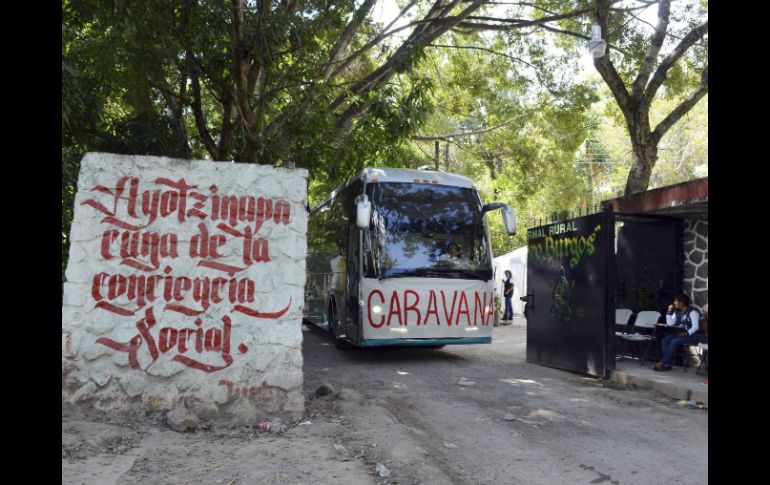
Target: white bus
[[402, 257]]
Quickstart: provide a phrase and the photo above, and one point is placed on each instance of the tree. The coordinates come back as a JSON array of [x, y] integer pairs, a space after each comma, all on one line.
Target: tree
[[320, 83], [682, 152], [262, 82], [317, 82], [632, 68], [513, 131], [635, 103]]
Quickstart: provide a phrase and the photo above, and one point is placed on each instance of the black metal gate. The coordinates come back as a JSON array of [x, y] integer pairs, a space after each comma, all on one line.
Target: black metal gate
[[649, 261], [570, 295]]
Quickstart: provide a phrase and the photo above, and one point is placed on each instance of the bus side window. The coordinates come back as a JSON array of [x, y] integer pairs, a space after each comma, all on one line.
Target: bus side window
[[352, 258], [370, 262]]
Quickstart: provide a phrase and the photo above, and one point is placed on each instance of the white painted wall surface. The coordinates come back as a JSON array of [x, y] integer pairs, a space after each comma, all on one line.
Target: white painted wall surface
[[224, 351]]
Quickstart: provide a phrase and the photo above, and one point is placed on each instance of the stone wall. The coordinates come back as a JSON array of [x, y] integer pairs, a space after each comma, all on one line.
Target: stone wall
[[185, 287], [696, 264]]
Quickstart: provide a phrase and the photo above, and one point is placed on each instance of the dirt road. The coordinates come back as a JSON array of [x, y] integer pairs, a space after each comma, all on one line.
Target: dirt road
[[458, 415], [439, 416]]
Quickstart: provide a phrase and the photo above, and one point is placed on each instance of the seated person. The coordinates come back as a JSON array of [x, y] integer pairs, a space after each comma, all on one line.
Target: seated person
[[687, 318], [704, 323], [453, 254]]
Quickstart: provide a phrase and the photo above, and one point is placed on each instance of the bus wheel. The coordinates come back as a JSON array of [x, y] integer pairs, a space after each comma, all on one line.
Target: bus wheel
[[334, 327]]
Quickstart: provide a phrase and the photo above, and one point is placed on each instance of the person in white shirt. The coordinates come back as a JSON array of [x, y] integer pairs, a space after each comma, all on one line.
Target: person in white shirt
[[680, 314]]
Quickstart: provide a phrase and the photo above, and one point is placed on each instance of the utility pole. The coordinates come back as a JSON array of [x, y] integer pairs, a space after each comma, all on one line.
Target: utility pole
[[590, 159], [447, 153], [591, 181]]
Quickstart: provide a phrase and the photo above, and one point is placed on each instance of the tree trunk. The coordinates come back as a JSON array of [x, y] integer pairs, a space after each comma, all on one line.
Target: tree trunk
[[491, 166], [645, 154]]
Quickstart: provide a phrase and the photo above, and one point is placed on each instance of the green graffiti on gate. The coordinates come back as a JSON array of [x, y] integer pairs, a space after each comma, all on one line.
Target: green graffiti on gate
[[573, 248]]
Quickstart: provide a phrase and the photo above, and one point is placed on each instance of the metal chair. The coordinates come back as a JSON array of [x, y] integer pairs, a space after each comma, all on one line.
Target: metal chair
[[704, 357], [644, 320], [622, 318], [685, 354]]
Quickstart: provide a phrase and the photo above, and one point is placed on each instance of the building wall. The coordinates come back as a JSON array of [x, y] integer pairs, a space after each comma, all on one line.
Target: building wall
[[185, 287], [696, 255]]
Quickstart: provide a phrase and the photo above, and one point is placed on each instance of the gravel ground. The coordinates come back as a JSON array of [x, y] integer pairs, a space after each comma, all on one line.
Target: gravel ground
[[476, 414]]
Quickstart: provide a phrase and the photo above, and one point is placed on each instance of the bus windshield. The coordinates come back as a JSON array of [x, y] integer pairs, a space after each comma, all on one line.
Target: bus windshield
[[426, 230]]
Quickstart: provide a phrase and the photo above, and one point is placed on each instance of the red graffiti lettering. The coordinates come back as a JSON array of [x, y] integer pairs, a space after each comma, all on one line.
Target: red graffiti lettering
[[254, 250], [136, 245], [282, 212], [204, 246], [124, 296], [211, 340], [234, 391], [173, 199], [68, 352], [131, 209], [253, 313]]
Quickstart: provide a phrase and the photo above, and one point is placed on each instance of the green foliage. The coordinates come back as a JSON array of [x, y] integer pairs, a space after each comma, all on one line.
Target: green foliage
[[528, 160], [127, 71], [682, 153], [127, 87]]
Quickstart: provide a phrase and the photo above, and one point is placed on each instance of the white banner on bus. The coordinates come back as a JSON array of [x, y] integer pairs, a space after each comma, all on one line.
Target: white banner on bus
[[427, 308]]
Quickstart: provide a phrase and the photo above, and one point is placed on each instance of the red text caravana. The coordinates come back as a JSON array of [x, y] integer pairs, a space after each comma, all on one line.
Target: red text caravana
[[403, 308]]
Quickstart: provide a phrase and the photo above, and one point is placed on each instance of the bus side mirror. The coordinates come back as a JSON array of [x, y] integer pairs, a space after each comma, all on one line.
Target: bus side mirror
[[363, 211], [509, 218]]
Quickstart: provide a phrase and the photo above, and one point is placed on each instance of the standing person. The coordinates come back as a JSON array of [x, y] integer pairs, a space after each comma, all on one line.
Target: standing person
[[682, 315], [508, 294]]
